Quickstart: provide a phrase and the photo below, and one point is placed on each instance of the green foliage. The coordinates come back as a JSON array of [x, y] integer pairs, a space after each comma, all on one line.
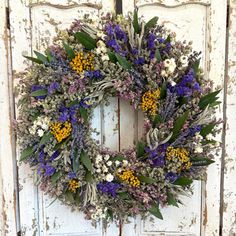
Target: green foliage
[[183, 181], [147, 180], [40, 92], [123, 62], [154, 210], [151, 23], [201, 161], [26, 153], [135, 22], [140, 149], [209, 99], [86, 161], [86, 40], [69, 51]]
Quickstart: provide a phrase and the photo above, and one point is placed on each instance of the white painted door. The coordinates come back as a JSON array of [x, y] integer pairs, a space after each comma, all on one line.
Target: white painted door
[[33, 25]]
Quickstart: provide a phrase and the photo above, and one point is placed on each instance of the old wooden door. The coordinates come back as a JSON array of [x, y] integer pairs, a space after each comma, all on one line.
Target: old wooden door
[[33, 25]]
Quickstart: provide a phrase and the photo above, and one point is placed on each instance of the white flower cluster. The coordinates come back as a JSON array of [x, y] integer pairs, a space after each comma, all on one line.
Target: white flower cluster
[[102, 164], [198, 147], [98, 213], [184, 61], [40, 125], [170, 66], [102, 50]]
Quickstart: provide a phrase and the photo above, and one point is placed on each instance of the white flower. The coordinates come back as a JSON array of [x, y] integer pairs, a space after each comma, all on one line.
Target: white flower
[[172, 82], [163, 73], [109, 163], [40, 132], [104, 169], [32, 130], [105, 57], [198, 136], [209, 137], [98, 158], [44, 126], [117, 163], [109, 177], [107, 157], [125, 162], [101, 35], [184, 61], [98, 170], [170, 65], [198, 149]]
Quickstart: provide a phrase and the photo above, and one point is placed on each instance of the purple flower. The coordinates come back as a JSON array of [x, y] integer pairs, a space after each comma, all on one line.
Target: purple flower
[[108, 188], [151, 41], [53, 87], [157, 156], [195, 129], [71, 175], [171, 177], [54, 155], [96, 74], [49, 170], [36, 88], [139, 61]]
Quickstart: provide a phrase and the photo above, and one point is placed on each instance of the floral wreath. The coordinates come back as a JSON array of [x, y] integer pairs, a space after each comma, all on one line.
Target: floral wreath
[[139, 62]]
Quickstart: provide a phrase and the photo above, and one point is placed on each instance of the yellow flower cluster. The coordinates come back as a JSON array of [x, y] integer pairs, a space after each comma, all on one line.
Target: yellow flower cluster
[[149, 101], [82, 62], [128, 177], [61, 130], [182, 154], [73, 185]]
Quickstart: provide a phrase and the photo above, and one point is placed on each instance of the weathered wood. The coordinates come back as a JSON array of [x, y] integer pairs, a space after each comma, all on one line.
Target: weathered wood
[[8, 214], [228, 187]]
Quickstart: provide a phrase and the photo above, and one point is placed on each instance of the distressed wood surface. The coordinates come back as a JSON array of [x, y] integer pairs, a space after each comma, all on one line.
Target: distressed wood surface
[[229, 203], [8, 208]]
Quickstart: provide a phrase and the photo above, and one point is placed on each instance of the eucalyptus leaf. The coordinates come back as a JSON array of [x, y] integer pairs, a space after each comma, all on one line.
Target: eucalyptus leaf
[[40, 92], [86, 40], [86, 160], [183, 181], [26, 153]]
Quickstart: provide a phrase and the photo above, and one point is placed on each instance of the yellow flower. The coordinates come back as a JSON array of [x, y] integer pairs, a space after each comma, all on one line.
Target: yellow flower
[[61, 130], [128, 177], [181, 154], [82, 62], [73, 185], [149, 101]]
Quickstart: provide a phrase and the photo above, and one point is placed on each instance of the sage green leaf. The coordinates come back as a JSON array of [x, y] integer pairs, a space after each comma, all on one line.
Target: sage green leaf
[[123, 62], [178, 125], [89, 177], [154, 210], [123, 195], [69, 196], [49, 55], [151, 23], [118, 158], [182, 101], [183, 181], [171, 200], [168, 39], [55, 177], [33, 59], [158, 55], [207, 129], [86, 40], [22, 101], [201, 161], [40, 92], [135, 21], [163, 91], [69, 51], [41, 57], [26, 153], [75, 162], [146, 180], [208, 99], [46, 137], [77, 198], [157, 120], [63, 142], [140, 149], [84, 114], [86, 160], [72, 103], [112, 57], [196, 66]]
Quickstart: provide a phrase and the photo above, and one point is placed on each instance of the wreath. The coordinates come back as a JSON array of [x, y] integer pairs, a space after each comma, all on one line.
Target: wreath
[[142, 63]]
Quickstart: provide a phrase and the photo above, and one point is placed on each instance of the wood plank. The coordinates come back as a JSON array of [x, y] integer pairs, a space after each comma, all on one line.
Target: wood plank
[[8, 202], [229, 190]]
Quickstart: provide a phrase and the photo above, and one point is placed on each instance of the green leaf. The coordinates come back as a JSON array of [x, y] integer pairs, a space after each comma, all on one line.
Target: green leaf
[[75, 162], [40, 92], [69, 51], [123, 195], [208, 99], [46, 137], [41, 57], [163, 91], [33, 59], [135, 22], [22, 101], [157, 120], [171, 200], [86, 160], [179, 125], [207, 129], [86, 40], [140, 149], [55, 177], [112, 57], [72, 103], [123, 62], [158, 55], [183, 181], [89, 177], [146, 180], [196, 66], [63, 142], [77, 198], [84, 114], [168, 39], [49, 55], [26, 153], [118, 158], [201, 161], [151, 23], [182, 101], [69, 196], [154, 210]]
